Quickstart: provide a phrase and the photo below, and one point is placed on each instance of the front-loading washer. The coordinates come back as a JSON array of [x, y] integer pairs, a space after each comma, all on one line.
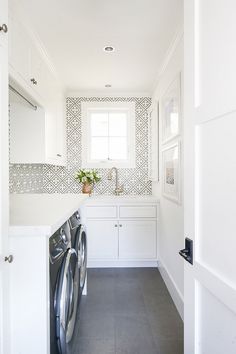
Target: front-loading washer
[[64, 289]]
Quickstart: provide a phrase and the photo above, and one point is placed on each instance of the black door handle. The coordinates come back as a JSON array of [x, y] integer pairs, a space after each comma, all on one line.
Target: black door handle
[[187, 252]]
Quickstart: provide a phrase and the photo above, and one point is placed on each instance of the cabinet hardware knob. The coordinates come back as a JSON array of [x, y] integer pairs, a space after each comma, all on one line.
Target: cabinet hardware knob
[[9, 259], [59, 155], [116, 225], [33, 81], [4, 28], [120, 225]]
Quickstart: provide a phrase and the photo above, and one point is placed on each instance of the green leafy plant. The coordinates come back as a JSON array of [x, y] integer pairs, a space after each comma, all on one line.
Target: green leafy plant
[[87, 176]]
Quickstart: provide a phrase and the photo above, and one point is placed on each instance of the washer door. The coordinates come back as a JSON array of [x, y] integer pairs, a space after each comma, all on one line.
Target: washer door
[[66, 299], [81, 248]]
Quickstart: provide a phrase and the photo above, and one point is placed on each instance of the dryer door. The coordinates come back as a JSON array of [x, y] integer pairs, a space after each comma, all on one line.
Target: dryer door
[[81, 248], [66, 299]]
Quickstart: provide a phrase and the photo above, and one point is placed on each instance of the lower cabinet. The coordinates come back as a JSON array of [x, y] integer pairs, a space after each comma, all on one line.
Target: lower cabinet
[[137, 239], [102, 239], [120, 239]]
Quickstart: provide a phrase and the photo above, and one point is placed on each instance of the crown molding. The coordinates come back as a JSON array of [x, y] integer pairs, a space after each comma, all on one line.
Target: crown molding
[[169, 54], [98, 93]]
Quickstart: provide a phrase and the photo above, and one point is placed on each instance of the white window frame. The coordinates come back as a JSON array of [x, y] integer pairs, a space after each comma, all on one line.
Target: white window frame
[[86, 109]]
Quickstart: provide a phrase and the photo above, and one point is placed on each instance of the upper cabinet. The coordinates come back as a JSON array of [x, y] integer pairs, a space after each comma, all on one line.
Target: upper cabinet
[[33, 77], [19, 50], [3, 24]]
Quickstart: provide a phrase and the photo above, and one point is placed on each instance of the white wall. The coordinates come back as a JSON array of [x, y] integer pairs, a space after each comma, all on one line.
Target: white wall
[[171, 214]]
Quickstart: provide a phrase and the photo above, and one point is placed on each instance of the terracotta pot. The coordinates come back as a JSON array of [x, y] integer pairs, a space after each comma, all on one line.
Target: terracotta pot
[[87, 188]]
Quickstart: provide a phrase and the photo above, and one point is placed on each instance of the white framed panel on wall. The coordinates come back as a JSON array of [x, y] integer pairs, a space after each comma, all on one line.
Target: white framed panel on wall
[[153, 142], [171, 172], [171, 111]]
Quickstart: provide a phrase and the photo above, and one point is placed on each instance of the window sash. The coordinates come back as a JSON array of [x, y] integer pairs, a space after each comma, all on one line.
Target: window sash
[[114, 107], [108, 136]]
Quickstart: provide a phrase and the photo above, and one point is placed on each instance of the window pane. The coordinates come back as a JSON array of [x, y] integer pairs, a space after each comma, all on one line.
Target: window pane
[[117, 124], [99, 148], [99, 124], [118, 148]]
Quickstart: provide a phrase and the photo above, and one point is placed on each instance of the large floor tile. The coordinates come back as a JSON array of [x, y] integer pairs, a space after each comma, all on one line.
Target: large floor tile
[[171, 347], [95, 346], [97, 327], [127, 311], [133, 335]]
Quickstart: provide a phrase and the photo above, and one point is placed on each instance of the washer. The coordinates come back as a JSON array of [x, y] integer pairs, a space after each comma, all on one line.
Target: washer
[[64, 289], [79, 242]]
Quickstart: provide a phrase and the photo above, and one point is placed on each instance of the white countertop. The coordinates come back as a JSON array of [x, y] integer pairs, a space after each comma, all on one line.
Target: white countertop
[[41, 214]]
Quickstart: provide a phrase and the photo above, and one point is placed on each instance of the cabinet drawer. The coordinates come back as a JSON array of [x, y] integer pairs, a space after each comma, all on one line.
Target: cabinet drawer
[[138, 211], [101, 211]]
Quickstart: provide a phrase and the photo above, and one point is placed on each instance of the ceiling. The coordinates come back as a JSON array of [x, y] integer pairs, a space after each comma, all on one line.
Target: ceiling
[[74, 33]]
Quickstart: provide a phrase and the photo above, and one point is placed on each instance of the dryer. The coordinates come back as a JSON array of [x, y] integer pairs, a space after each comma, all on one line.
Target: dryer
[[79, 242], [64, 289]]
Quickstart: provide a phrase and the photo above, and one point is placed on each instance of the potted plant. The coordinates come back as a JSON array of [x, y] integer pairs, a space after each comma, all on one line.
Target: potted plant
[[88, 178]]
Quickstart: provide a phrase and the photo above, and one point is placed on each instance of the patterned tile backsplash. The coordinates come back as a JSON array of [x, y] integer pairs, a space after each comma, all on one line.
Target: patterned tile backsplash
[[55, 179]]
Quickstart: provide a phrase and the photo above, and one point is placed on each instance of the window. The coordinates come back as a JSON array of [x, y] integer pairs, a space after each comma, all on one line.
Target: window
[[108, 134]]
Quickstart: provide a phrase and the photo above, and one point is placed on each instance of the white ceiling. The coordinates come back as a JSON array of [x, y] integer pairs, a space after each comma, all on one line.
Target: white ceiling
[[74, 33]]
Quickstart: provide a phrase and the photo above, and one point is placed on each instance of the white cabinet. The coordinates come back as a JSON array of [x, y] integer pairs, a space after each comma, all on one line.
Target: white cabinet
[[4, 24], [103, 239], [19, 50], [121, 235], [137, 239], [31, 75], [55, 132], [34, 134]]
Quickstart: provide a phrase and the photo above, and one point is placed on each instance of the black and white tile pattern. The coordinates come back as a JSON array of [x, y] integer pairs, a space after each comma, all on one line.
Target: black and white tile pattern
[[26, 178], [54, 179]]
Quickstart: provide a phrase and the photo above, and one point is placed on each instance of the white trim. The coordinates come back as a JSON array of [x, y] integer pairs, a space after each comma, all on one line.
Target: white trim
[[85, 128], [169, 55], [172, 288], [122, 264], [105, 93]]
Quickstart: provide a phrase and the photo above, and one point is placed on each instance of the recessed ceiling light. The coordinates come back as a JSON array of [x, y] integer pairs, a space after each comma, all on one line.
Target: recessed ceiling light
[[108, 85], [109, 49]]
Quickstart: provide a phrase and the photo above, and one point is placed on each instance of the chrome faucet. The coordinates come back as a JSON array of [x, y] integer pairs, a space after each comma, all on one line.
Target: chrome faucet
[[118, 189]]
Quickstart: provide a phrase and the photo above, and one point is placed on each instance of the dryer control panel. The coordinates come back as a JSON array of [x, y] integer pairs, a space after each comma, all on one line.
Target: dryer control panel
[[58, 244]]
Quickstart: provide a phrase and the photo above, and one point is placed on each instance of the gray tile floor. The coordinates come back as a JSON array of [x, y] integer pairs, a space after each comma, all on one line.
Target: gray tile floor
[[127, 311]]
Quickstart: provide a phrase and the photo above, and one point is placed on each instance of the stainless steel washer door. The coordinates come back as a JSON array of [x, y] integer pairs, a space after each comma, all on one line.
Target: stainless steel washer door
[[66, 299]]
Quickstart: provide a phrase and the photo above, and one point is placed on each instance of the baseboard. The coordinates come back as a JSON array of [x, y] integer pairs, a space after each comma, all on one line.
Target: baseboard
[[122, 264], [173, 289]]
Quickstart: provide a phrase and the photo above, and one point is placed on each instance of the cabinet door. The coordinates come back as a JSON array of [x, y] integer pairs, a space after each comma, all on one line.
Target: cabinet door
[[38, 72], [137, 239], [19, 49], [61, 132], [5, 338], [51, 132], [102, 239]]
